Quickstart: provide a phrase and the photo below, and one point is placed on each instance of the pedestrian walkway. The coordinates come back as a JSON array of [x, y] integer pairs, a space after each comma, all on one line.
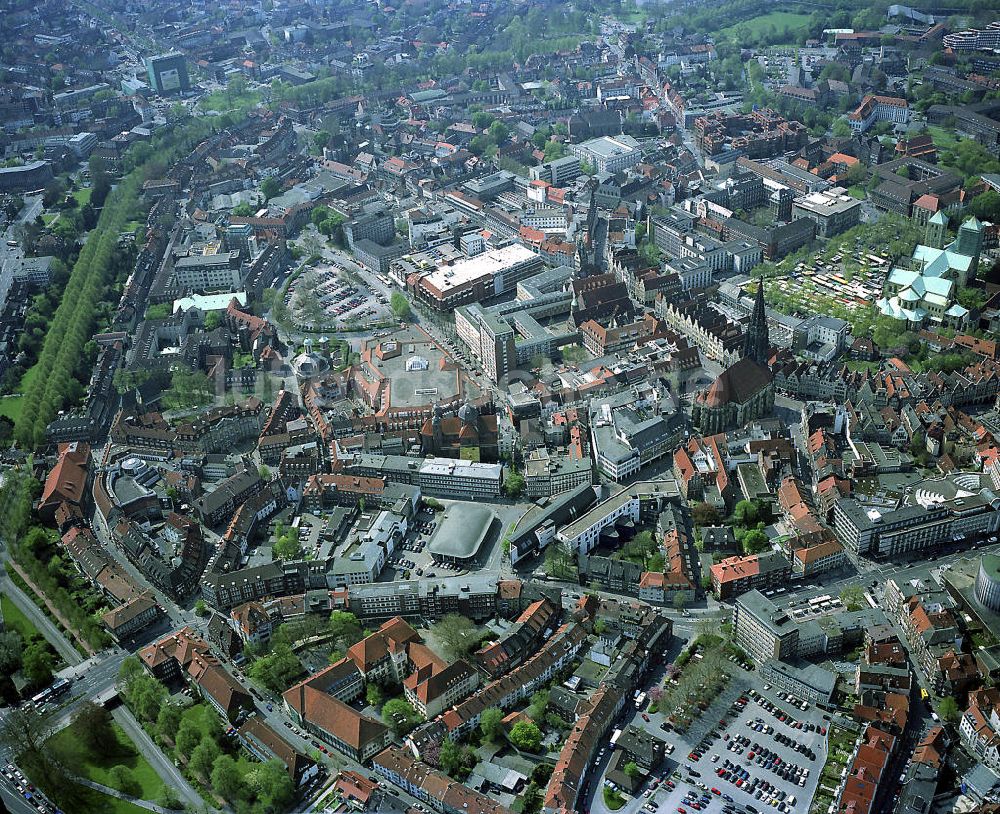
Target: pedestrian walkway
[[122, 796], [164, 767], [52, 609], [51, 633]]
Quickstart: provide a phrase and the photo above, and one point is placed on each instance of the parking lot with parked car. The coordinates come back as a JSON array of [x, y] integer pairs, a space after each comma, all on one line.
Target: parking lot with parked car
[[326, 295], [756, 750], [411, 558]]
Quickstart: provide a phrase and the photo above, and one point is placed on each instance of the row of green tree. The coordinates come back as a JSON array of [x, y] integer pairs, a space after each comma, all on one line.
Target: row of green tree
[[195, 737], [36, 552], [72, 325]]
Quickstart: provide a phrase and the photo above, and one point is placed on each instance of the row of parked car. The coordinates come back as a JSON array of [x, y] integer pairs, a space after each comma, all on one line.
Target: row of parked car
[[706, 742], [16, 780], [757, 787], [770, 760], [696, 800]]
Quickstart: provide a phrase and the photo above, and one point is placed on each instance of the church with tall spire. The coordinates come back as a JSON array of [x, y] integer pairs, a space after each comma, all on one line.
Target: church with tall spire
[[756, 339], [744, 391]]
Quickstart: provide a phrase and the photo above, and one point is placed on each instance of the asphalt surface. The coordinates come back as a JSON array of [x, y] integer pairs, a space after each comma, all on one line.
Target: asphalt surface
[[165, 768], [667, 800], [24, 603], [14, 802]]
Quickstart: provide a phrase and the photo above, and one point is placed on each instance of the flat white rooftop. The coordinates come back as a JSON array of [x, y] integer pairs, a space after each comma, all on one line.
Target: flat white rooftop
[[608, 146], [469, 269], [210, 302]]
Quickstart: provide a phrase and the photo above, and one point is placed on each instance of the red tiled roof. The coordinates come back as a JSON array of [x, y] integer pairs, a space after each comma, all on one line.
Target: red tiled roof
[[333, 716], [68, 477], [733, 568], [393, 636], [818, 552]]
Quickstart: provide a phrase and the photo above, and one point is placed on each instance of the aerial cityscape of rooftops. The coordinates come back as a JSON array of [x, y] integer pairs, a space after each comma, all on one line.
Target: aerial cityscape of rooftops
[[500, 407]]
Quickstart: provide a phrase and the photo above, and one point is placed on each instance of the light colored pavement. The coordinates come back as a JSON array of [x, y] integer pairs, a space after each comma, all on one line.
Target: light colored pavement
[[119, 795]]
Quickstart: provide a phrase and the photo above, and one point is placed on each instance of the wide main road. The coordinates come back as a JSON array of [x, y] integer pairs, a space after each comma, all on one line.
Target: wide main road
[[14, 802]]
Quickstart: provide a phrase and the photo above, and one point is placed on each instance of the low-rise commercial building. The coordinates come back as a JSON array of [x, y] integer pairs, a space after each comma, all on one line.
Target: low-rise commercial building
[[472, 279], [557, 172], [609, 153], [803, 680], [438, 477], [818, 559], [630, 430], [758, 572], [379, 226], [643, 499], [832, 210], [551, 473], [886, 534]]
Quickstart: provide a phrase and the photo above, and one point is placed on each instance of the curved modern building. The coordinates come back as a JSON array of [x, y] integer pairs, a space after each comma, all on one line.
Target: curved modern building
[[988, 582], [462, 532], [976, 39]]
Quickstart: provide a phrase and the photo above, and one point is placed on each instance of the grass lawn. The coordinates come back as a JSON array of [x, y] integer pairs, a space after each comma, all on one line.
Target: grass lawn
[[68, 744], [944, 139], [82, 196], [223, 101], [779, 19], [12, 407], [29, 376], [16, 620], [612, 799], [48, 218]]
